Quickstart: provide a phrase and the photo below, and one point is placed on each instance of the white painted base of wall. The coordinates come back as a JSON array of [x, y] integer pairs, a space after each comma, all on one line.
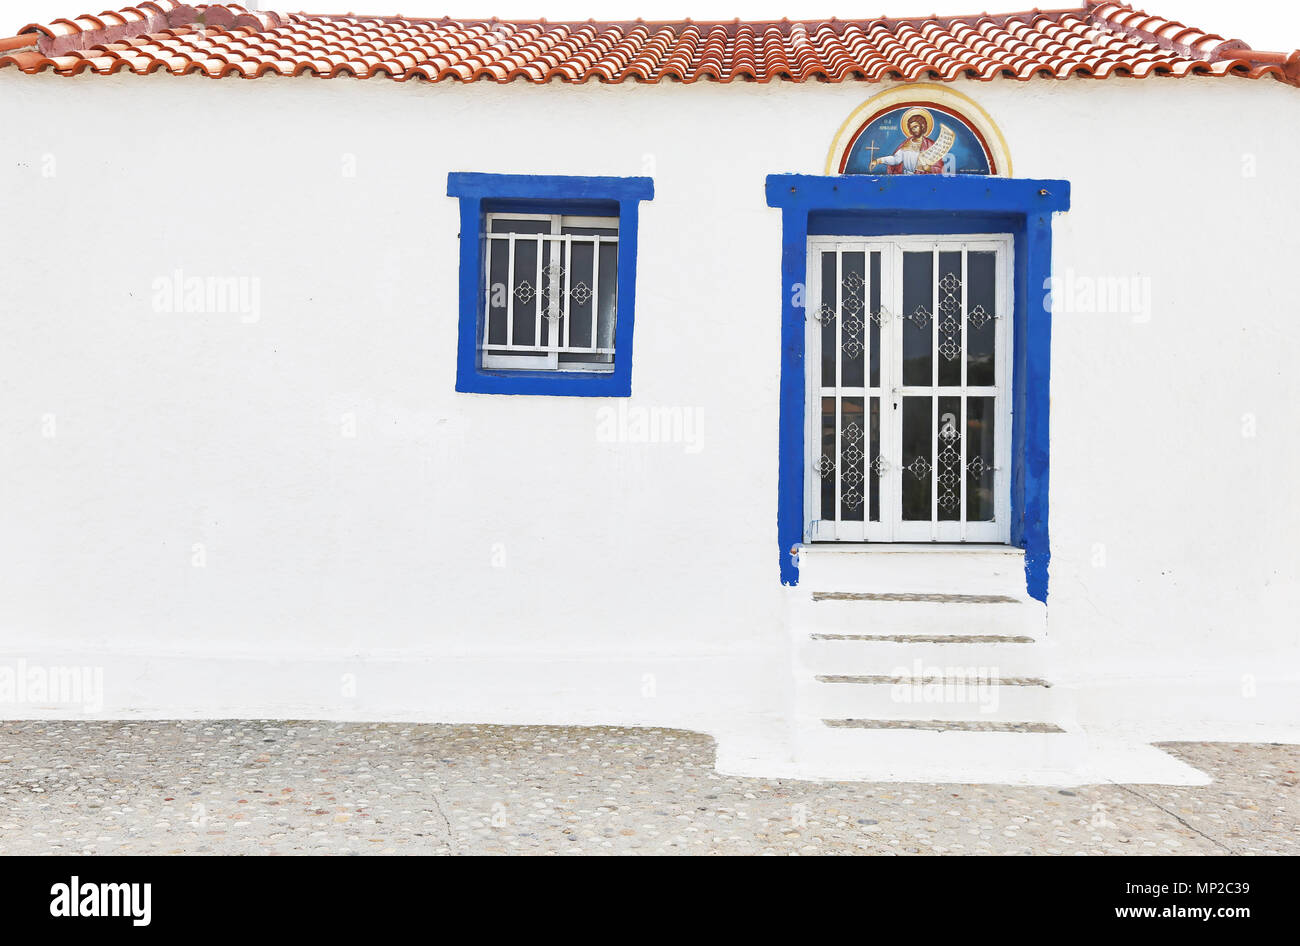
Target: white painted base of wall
[[1190, 708], [689, 690], [715, 693]]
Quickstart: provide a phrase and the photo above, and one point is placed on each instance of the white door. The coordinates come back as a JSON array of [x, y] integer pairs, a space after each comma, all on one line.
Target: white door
[[908, 424]]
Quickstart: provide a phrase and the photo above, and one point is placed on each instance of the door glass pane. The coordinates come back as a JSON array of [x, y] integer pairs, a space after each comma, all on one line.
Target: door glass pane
[[853, 445], [981, 307], [918, 459], [979, 458], [829, 319], [948, 463], [918, 316], [872, 464], [826, 465], [949, 315], [853, 306], [873, 319]]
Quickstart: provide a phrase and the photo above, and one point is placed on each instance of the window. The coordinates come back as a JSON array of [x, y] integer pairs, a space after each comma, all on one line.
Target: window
[[547, 283], [550, 293]]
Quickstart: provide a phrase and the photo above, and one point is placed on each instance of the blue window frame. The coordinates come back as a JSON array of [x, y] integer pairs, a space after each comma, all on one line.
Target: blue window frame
[[878, 205], [485, 197]]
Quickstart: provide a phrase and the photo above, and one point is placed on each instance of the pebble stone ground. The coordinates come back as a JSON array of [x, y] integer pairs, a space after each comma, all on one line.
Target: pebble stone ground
[[275, 787]]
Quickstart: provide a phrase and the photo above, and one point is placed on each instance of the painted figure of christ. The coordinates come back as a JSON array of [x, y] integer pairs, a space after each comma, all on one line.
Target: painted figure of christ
[[906, 158]]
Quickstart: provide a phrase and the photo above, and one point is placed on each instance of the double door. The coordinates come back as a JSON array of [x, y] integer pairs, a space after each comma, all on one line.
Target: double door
[[908, 426]]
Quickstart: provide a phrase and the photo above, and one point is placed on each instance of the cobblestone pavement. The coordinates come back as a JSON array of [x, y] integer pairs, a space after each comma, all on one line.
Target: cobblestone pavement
[[259, 787]]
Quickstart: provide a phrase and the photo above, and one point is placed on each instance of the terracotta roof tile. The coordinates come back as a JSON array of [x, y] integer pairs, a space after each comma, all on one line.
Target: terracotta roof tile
[[1100, 39]]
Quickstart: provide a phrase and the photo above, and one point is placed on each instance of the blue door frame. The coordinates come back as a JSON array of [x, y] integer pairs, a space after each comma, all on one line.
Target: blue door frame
[[870, 205]]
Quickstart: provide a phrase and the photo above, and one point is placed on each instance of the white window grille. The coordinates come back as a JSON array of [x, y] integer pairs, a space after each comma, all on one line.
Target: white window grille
[[551, 292]]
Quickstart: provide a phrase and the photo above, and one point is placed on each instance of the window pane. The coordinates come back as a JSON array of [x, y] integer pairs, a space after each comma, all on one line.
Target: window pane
[[591, 284], [517, 225], [584, 288], [582, 304], [607, 302], [498, 292], [590, 231], [526, 292]]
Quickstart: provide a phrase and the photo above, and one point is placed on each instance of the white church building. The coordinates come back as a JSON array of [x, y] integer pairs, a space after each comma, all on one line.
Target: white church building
[[890, 398]]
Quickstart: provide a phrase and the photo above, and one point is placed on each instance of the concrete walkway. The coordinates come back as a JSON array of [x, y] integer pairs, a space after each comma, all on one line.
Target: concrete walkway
[[273, 787]]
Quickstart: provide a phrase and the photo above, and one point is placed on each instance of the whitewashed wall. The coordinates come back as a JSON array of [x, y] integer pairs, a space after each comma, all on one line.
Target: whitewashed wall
[[472, 557]]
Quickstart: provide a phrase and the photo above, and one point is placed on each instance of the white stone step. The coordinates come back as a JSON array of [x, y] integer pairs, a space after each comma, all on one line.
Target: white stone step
[[918, 616], [861, 654], [825, 752], [928, 663], [951, 698], [961, 569]]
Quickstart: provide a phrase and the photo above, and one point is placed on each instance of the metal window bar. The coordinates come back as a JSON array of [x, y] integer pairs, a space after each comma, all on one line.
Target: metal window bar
[[595, 288], [934, 393], [487, 294], [963, 429], [839, 385], [510, 290], [565, 289], [537, 330]]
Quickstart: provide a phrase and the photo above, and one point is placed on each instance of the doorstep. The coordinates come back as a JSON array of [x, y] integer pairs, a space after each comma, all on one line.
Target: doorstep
[[906, 548]]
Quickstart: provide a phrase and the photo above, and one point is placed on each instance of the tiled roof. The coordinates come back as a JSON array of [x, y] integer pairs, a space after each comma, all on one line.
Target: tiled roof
[[1097, 40]]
